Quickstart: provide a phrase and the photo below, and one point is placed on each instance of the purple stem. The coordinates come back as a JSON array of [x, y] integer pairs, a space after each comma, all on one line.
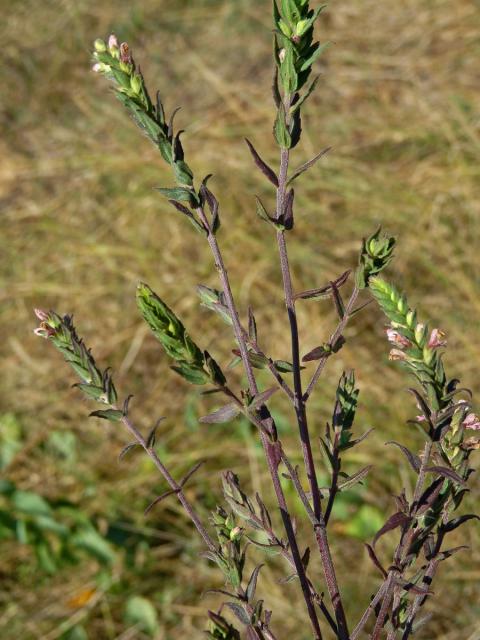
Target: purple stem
[[300, 411], [269, 442]]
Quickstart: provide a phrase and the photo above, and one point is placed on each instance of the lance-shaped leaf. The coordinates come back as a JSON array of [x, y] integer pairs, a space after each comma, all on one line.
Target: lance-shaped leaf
[[252, 584], [354, 479], [457, 522], [398, 519], [413, 459], [304, 167], [113, 415], [165, 495], [239, 612], [263, 397], [262, 165], [127, 448], [224, 414], [373, 557], [447, 473], [325, 291], [189, 214]]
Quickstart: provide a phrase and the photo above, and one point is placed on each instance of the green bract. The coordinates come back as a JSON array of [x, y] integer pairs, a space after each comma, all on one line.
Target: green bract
[[190, 362], [377, 252]]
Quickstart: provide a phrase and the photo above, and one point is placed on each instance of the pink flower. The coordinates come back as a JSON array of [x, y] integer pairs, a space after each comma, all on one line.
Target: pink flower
[[472, 422], [437, 339], [125, 55], [112, 42], [397, 339], [41, 315], [44, 330]]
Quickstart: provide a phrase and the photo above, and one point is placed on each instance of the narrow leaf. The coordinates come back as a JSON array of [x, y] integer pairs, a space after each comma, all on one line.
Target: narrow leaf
[[262, 165], [239, 612], [450, 474], [373, 557], [108, 414], [413, 459], [326, 291], [457, 522], [252, 325], [127, 448], [190, 473], [167, 494], [304, 167], [252, 583], [263, 397], [355, 478], [226, 413], [398, 519]]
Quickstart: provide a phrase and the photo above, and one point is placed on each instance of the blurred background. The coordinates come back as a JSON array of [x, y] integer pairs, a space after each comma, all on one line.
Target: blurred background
[[81, 224]]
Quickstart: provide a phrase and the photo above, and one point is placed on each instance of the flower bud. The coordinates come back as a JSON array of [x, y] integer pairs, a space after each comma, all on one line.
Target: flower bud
[[410, 318], [136, 83], [419, 333], [100, 45], [427, 355], [112, 41], [125, 55], [235, 534]]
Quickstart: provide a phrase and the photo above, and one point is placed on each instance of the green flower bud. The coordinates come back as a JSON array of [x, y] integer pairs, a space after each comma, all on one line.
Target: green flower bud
[[136, 83], [100, 45], [377, 251]]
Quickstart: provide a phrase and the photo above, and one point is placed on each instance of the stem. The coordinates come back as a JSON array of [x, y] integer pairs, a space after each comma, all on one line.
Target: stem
[[333, 339], [299, 405], [269, 442], [171, 482], [402, 547], [262, 628], [419, 600], [364, 619]]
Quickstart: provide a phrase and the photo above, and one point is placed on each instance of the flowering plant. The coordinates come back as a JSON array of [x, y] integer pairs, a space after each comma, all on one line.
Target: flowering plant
[[446, 416]]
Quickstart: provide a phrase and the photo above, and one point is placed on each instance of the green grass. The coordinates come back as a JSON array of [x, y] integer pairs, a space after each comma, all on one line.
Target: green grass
[[81, 224]]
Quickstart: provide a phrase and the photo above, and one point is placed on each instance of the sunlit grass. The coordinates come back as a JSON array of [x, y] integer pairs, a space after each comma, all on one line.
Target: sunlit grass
[[81, 225]]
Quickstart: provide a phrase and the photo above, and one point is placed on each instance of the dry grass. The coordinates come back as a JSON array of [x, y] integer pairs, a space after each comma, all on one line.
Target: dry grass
[[81, 224]]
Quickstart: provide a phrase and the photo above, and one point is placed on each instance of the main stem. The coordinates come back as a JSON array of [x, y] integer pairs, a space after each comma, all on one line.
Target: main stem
[[300, 410], [269, 442]]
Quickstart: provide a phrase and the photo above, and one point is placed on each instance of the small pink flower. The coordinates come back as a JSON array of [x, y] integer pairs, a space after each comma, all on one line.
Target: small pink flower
[[44, 330], [41, 315], [396, 354], [98, 67], [472, 422], [397, 339], [112, 42], [420, 418], [125, 55], [437, 339]]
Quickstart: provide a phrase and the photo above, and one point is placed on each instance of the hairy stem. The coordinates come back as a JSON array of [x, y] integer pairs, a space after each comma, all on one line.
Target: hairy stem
[[300, 411], [171, 483], [269, 441]]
